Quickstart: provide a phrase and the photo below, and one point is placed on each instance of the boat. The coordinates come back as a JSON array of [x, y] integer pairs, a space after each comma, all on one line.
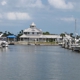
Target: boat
[[60, 44], [66, 41], [3, 43], [11, 43], [76, 48], [76, 45]]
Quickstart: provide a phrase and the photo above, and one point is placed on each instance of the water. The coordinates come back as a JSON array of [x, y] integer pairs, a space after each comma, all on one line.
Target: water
[[39, 63]]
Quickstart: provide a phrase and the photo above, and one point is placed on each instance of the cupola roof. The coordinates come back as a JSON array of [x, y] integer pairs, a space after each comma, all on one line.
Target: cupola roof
[[33, 25]]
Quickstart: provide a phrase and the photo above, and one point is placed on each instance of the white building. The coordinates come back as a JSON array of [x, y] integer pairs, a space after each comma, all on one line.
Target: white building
[[34, 34]]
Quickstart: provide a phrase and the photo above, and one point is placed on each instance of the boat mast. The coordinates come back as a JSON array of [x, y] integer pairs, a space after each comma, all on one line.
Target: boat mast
[[75, 31]]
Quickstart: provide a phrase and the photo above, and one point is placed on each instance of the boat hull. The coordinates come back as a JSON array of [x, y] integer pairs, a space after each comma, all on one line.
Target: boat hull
[[76, 48]]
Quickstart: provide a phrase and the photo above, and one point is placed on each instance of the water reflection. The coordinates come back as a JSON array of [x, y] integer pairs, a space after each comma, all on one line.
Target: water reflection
[[5, 49], [38, 63]]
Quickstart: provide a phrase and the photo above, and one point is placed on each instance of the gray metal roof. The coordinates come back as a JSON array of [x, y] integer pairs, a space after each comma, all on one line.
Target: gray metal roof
[[40, 36]]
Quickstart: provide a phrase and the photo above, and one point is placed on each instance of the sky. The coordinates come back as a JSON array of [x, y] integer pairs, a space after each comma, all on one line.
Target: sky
[[54, 16]]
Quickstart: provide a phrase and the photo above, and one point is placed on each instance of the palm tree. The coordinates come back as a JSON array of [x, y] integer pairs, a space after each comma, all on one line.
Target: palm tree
[[71, 34], [62, 35], [6, 33], [19, 34]]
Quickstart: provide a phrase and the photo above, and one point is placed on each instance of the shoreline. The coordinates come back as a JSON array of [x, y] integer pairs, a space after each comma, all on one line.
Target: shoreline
[[37, 43]]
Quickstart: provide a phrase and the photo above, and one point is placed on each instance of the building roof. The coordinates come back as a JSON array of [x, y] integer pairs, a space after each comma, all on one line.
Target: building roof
[[33, 24], [40, 36], [29, 36], [52, 36], [32, 30]]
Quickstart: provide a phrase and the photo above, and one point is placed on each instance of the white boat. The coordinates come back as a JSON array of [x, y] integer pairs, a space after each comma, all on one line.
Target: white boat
[[3, 43], [60, 44], [76, 48], [76, 45]]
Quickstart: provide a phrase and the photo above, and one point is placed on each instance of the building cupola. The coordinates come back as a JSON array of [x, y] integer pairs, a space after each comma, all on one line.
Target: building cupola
[[32, 25]]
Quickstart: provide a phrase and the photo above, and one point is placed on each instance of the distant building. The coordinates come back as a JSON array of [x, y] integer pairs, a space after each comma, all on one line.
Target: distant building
[[34, 34]]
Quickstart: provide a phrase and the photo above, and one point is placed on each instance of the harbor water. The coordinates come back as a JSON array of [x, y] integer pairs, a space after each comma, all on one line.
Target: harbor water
[[22, 62]]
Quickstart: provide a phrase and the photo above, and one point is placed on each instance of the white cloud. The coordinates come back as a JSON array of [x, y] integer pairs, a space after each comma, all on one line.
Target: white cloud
[[68, 19], [61, 4], [30, 3], [17, 16], [11, 16], [3, 3], [22, 16]]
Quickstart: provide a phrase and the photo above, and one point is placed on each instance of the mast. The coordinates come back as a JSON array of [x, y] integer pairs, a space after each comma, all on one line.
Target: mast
[[75, 31]]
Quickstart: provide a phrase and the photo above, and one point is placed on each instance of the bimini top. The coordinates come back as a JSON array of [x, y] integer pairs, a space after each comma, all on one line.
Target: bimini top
[[11, 36]]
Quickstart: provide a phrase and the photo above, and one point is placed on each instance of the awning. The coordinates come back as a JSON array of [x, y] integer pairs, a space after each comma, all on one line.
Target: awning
[[11, 36]]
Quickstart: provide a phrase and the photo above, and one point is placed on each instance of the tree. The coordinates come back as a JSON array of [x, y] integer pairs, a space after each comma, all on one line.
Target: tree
[[1, 32], [77, 37], [46, 33], [9, 33], [6, 33], [62, 35], [71, 34], [19, 34]]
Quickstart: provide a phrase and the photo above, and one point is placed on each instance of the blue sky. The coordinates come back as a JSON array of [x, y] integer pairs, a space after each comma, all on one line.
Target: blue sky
[[54, 16]]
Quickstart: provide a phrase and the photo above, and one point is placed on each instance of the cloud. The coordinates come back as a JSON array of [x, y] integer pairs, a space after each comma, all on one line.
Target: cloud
[[11, 16], [61, 4], [17, 16], [30, 3], [3, 3], [68, 19]]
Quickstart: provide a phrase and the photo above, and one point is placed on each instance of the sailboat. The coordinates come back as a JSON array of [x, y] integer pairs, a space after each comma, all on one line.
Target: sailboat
[[76, 45]]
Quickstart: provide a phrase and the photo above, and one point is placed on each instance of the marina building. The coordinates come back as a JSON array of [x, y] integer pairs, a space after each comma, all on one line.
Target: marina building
[[33, 34]]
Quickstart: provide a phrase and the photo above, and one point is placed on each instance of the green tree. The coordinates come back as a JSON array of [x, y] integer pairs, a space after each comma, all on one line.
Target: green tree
[[6, 33], [19, 34], [62, 35], [46, 33], [71, 34]]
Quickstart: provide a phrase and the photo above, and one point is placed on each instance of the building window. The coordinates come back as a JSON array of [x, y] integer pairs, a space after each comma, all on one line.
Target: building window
[[38, 33], [32, 32], [25, 32], [28, 33]]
